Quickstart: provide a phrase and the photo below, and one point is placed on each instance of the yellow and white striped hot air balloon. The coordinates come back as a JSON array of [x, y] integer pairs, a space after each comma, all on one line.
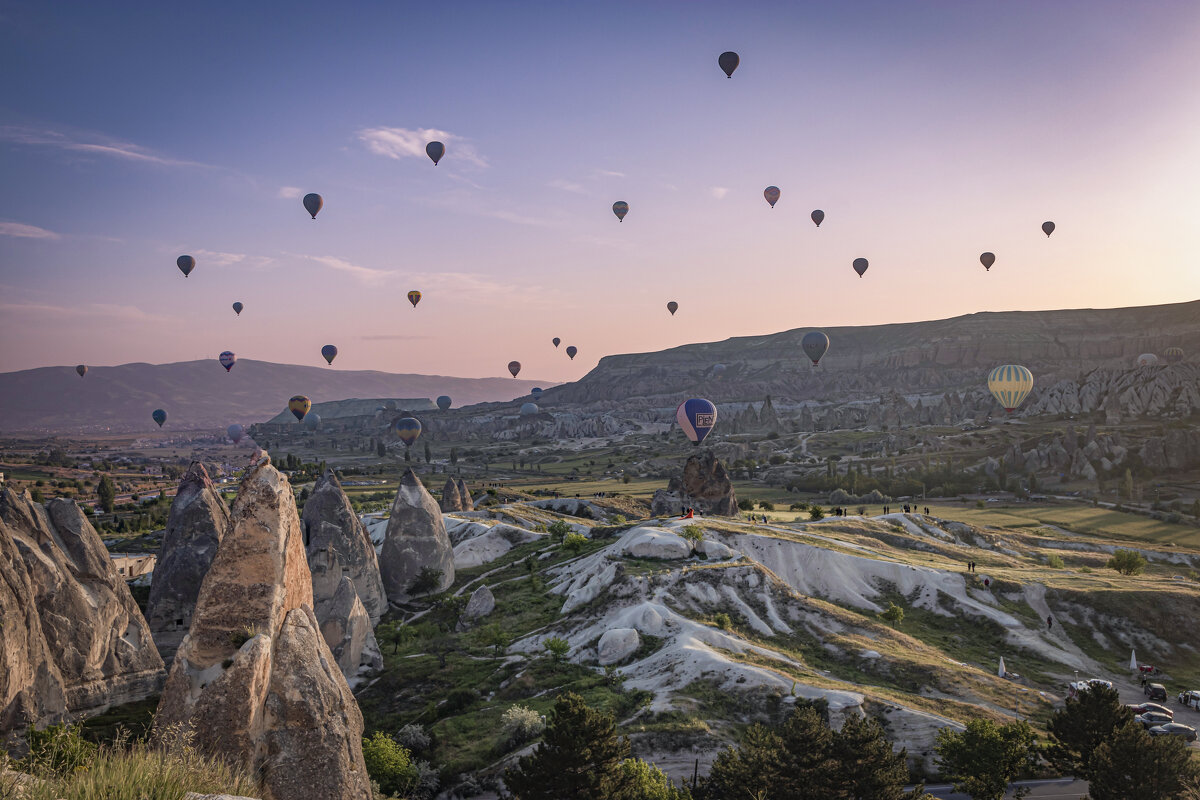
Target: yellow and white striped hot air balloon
[[1010, 384]]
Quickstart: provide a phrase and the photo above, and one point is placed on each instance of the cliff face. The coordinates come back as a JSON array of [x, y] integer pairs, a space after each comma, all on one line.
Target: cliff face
[[90, 647]]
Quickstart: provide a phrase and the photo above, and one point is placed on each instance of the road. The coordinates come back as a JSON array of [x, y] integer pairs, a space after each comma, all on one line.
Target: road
[[1060, 789]]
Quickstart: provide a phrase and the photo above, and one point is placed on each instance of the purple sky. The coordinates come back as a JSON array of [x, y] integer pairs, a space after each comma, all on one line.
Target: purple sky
[[928, 133]]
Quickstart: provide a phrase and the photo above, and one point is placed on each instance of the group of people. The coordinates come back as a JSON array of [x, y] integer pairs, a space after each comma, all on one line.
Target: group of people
[[908, 509]]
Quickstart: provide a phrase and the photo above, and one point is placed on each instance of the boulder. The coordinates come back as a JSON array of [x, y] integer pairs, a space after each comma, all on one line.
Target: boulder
[[254, 677], [465, 494], [195, 525], [338, 547], [347, 630], [654, 543], [704, 484], [617, 644], [94, 648], [482, 603], [712, 549], [416, 539], [451, 499]]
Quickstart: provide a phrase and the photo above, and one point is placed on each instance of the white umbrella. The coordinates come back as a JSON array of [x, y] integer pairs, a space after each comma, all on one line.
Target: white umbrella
[[1133, 665], [1002, 672]]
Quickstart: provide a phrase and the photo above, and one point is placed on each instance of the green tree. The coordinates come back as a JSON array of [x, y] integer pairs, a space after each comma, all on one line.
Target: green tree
[[1133, 765], [1127, 485], [380, 448], [494, 636], [558, 530], [557, 647], [815, 513], [985, 758], [790, 762], [575, 542], [1082, 725], [867, 766], [579, 757], [427, 580], [453, 456], [638, 780], [1127, 562], [35, 494], [389, 764], [106, 492], [894, 614]]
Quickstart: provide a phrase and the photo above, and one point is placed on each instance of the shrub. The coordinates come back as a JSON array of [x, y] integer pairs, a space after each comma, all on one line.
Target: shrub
[[557, 648], [57, 750], [766, 506], [459, 700], [427, 580], [746, 504], [521, 724], [575, 542], [558, 530], [1055, 562], [722, 620], [389, 764], [693, 533], [801, 506], [412, 737], [619, 519], [815, 513], [1127, 562]]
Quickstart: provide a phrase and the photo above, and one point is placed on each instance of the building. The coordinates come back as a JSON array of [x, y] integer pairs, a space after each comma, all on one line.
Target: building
[[133, 565]]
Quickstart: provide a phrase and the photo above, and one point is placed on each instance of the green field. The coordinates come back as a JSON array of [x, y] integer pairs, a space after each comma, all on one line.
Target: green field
[[1082, 519]]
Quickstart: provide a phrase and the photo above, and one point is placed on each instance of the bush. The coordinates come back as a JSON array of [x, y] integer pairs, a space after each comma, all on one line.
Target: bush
[[575, 542], [766, 506], [746, 504], [57, 750], [557, 648], [389, 764], [798, 507], [1055, 562], [427, 580], [459, 700], [1127, 562], [693, 533], [558, 530], [413, 737], [722, 620], [815, 513], [521, 724]]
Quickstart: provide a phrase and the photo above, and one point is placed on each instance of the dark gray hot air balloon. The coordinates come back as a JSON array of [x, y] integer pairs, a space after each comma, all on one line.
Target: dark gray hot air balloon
[[860, 266], [1047, 228], [435, 151], [329, 353], [556, 341], [529, 409], [443, 401], [772, 195], [818, 217], [672, 307], [313, 203], [814, 344], [728, 62], [571, 351], [620, 208], [237, 308], [514, 367], [82, 370], [987, 259], [186, 264]]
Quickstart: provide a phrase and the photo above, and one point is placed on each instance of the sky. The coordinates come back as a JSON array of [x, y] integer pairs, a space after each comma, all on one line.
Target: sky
[[928, 132]]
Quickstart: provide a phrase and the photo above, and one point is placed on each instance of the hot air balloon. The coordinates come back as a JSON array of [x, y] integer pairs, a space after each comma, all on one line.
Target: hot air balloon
[[299, 406], [672, 307], [536, 391], [696, 417], [556, 341], [1147, 360], [235, 432], [621, 208], [529, 409], [186, 264], [414, 297], [514, 367], [772, 195], [227, 359], [159, 416], [435, 150], [728, 61], [860, 266], [408, 429], [311, 421], [313, 203], [571, 351], [718, 370], [987, 259], [237, 308], [82, 369], [390, 405], [329, 353], [1047, 228], [443, 402], [1010, 384], [814, 344], [818, 217], [1173, 355]]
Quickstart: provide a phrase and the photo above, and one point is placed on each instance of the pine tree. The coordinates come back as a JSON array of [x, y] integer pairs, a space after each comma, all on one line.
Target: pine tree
[[983, 759], [107, 494], [867, 767], [1133, 765], [578, 758], [428, 454]]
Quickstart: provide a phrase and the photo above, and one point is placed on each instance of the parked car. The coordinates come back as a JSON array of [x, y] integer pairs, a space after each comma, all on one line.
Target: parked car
[[1191, 699], [1142, 708], [1185, 732], [1156, 692], [1152, 718]]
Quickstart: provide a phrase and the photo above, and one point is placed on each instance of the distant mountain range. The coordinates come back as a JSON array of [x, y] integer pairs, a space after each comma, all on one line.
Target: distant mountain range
[[200, 394]]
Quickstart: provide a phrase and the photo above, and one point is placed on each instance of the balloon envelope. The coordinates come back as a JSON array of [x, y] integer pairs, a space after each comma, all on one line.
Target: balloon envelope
[[159, 416], [1047, 228], [235, 432], [186, 264], [311, 421], [1010, 384], [571, 351], [313, 203], [443, 402], [987, 259], [514, 367], [435, 150], [556, 341], [860, 266], [227, 359], [718, 370], [621, 208], [329, 353], [299, 406], [82, 369], [414, 297], [814, 344], [529, 409], [696, 417], [237, 308], [818, 217], [772, 195], [672, 307], [728, 61], [1173, 355], [408, 429], [1147, 360], [536, 391]]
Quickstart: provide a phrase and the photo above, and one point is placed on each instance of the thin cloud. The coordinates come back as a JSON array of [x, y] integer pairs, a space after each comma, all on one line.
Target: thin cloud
[[89, 143], [608, 173], [290, 192], [567, 186], [393, 337], [110, 311], [20, 230], [365, 274], [718, 192], [398, 143], [215, 258]]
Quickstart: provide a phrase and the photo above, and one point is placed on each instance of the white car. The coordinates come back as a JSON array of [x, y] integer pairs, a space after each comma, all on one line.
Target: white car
[[1190, 699]]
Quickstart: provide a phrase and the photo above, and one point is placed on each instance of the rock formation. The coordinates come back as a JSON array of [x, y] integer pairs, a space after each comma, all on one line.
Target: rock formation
[[451, 499], [704, 485], [482, 603], [468, 504], [347, 630], [338, 547], [617, 644], [254, 677], [416, 539], [197, 521], [89, 646]]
